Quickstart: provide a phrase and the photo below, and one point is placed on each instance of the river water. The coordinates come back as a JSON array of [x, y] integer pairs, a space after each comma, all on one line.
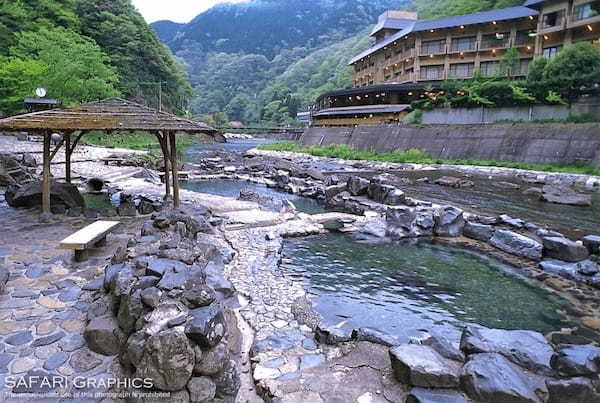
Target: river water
[[402, 288]]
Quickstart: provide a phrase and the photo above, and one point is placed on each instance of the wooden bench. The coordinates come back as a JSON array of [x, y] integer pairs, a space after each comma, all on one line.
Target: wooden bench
[[184, 176], [118, 161], [94, 234]]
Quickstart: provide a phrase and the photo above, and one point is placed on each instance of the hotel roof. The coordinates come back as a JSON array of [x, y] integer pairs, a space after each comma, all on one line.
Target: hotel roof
[[483, 17]]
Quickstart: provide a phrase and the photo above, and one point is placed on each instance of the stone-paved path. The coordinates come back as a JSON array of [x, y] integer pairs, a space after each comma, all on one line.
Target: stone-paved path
[[286, 361], [43, 309]]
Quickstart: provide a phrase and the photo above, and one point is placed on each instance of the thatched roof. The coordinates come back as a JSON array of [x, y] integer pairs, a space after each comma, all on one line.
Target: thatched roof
[[113, 114]]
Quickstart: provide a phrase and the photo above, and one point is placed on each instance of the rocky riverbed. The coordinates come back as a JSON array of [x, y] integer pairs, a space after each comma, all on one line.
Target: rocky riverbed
[[199, 301]]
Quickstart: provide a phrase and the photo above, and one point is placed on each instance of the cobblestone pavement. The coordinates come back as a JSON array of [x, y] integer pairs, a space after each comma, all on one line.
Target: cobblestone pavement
[[286, 362], [43, 309]]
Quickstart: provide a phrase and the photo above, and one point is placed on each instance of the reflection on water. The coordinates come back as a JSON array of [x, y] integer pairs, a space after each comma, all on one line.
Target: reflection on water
[[232, 189], [400, 289]]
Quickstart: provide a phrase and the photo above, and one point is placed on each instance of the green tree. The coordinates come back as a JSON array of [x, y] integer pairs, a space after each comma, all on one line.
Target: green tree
[[574, 71], [18, 80], [509, 63], [134, 49], [76, 70]]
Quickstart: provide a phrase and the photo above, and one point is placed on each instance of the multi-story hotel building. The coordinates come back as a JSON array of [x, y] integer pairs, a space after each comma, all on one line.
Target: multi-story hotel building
[[410, 55]]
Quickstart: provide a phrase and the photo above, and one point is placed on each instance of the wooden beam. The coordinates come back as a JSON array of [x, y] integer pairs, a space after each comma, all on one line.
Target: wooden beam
[[79, 136], [175, 168], [62, 141], [46, 174], [67, 138]]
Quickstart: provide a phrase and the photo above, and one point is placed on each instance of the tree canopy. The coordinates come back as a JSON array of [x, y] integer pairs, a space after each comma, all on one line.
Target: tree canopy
[[82, 50]]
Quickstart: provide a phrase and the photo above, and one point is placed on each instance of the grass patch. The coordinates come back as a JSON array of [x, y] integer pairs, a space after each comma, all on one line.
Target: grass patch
[[97, 202], [138, 140], [419, 157]]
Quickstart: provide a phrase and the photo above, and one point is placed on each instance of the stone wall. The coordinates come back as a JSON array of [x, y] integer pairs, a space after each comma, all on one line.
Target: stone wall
[[164, 312], [534, 143]]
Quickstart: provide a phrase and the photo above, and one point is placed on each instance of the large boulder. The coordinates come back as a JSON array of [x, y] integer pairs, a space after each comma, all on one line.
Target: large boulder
[[564, 249], [420, 365], [202, 389], [575, 360], [592, 242], [490, 377], [517, 244], [572, 390], [525, 348], [480, 232], [168, 359], [565, 195], [30, 195], [103, 335], [449, 221], [207, 326], [560, 268], [357, 186], [379, 191]]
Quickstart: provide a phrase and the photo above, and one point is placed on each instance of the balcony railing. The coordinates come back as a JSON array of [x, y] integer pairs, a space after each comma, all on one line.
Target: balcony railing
[[457, 47], [525, 40], [493, 43], [433, 50]]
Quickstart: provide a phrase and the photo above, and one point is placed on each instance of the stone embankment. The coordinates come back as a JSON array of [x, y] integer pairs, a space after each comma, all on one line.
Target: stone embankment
[[165, 310]]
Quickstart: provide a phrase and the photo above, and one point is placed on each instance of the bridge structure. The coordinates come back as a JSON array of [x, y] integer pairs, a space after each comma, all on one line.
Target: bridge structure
[[282, 133]]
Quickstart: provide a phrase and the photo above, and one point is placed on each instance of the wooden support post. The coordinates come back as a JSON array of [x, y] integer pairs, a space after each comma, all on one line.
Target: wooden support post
[[174, 167], [164, 146], [46, 175], [67, 137]]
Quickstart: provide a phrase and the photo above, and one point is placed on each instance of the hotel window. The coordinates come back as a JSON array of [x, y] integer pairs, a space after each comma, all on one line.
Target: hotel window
[[554, 19], [523, 67], [588, 10], [463, 44], [489, 69], [551, 51], [432, 72], [494, 41], [432, 47], [461, 70]]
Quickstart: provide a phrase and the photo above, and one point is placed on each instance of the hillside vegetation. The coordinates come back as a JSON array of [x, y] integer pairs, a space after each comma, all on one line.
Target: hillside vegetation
[[83, 50], [265, 60]]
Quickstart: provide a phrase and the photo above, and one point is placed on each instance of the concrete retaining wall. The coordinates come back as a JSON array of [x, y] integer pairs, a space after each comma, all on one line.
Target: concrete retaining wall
[[555, 143]]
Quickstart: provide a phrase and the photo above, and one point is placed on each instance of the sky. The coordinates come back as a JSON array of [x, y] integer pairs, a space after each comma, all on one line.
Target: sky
[[175, 10]]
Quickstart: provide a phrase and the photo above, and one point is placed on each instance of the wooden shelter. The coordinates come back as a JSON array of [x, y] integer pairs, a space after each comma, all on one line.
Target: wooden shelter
[[109, 115]]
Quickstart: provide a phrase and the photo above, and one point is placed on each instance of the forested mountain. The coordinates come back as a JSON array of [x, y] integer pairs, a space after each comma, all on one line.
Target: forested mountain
[[83, 50], [265, 60], [429, 9]]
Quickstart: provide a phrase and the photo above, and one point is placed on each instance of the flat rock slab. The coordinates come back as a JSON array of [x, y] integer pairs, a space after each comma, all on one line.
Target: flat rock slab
[[526, 348], [517, 244], [490, 377], [419, 365]]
